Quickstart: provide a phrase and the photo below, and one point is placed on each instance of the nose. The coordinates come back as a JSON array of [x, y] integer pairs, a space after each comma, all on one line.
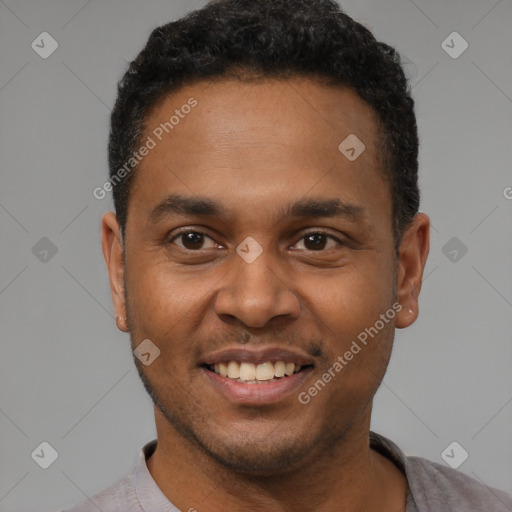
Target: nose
[[257, 292]]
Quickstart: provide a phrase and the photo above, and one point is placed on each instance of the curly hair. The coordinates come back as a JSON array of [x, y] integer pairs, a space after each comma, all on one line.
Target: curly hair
[[276, 39]]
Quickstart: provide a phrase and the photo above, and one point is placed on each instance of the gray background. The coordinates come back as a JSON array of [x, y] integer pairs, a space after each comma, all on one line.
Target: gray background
[[66, 373]]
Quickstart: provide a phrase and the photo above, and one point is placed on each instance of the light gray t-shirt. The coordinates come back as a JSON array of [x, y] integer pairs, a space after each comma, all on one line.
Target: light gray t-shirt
[[432, 487]]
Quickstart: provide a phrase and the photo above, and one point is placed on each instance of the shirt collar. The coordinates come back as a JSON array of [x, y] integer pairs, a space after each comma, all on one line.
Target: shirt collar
[[150, 497]]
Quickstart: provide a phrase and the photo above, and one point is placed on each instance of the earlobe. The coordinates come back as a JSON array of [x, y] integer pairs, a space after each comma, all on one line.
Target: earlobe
[[413, 253], [112, 246], [121, 323]]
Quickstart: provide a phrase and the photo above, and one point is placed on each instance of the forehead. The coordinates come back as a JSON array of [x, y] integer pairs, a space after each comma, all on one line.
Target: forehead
[[265, 139], [296, 111]]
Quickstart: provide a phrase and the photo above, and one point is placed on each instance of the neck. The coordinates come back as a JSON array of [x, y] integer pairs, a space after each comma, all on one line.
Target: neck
[[349, 476]]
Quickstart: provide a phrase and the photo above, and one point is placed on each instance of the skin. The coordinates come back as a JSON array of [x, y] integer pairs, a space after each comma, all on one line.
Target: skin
[[256, 147]]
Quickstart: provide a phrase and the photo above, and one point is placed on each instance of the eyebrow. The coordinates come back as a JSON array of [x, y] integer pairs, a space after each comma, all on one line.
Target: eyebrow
[[324, 208], [176, 204]]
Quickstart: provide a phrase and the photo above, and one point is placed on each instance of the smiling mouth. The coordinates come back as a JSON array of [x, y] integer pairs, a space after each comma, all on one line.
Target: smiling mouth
[[250, 373]]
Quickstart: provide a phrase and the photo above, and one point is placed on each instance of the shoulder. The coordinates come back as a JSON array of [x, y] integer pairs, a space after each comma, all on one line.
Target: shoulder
[[440, 486], [121, 496], [110, 499]]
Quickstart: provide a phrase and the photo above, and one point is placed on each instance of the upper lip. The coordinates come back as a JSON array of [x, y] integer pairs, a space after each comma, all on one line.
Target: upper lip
[[257, 356]]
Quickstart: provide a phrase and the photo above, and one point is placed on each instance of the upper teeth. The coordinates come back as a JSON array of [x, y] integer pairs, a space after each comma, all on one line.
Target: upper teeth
[[247, 372]]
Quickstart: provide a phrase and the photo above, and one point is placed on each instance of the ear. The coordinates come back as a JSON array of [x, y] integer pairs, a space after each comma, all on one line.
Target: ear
[[112, 246], [412, 256]]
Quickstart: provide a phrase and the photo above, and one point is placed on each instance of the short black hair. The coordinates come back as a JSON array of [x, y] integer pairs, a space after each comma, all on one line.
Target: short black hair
[[276, 39]]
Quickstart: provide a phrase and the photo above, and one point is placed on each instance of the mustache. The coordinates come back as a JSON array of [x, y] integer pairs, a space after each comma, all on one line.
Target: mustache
[[280, 337]]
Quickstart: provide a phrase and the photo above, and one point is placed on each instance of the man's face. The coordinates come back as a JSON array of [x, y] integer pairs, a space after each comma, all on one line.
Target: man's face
[[257, 167]]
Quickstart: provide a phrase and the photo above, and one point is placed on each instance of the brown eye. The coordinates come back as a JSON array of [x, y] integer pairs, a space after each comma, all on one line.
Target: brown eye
[[193, 240], [318, 242], [315, 241]]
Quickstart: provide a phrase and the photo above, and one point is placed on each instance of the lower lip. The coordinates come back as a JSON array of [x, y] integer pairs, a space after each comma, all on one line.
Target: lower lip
[[257, 394]]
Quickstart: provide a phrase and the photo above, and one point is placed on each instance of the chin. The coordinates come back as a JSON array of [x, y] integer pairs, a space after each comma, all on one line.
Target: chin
[[249, 448], [254, 456], [252, 446]]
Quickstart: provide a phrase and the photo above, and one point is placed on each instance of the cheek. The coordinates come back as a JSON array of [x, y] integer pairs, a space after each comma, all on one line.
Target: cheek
[[353, 297], [159, 300], [161, 290], [348, 309], [170, 307]]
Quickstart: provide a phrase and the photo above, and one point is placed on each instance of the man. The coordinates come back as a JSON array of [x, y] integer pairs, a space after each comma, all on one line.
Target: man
[[265, 246]]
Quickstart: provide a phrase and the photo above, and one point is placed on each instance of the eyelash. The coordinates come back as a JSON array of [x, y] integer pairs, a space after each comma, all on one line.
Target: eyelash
[[197, 232]]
